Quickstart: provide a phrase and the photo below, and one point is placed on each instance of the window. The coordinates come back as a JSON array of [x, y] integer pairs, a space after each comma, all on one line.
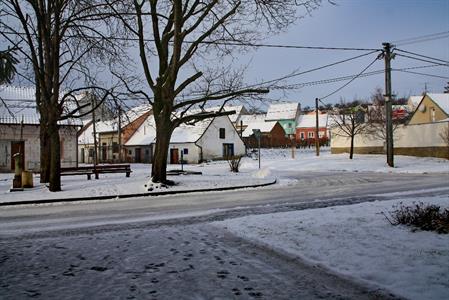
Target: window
[[321, 134], [222, 133], [130, 152], [432, 114], [310, 135], [289, 125], [228, 150], [301, 135], [186, 151], [91, 152]]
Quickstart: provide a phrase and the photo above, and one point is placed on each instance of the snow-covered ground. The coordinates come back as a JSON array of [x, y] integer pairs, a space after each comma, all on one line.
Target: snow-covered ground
[[275, 163], [358, 241], [215, 175]]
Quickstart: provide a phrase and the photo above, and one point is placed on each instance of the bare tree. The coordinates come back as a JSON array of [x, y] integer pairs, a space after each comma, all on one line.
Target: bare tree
[[348, 121], [444, 135], [377, 118], [187, 38], [62, 43]]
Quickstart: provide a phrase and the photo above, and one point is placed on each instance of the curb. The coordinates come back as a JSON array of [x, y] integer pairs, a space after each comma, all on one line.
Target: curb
[[108, 197]]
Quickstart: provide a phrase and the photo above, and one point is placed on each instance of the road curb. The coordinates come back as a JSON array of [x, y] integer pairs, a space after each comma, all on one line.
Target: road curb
[[108, 197]]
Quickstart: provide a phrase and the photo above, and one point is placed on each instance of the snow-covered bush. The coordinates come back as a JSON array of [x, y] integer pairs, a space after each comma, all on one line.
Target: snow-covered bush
[[423, 216]]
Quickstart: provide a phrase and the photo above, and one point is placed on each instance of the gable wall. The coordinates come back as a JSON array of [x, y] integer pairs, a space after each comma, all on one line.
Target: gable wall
[[30, 135], [420, 117], [211, 143]]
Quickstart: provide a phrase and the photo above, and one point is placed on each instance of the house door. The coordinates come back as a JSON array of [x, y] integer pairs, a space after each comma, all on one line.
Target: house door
[[104, 153], [174, 156], [228, 150], [17, 147], [82, 156], [138, 155]]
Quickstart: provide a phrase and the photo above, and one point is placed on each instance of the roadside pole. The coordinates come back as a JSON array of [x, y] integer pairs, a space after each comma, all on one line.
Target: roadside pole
[[94, 104], [388, 104], [257, 134], [317, 137]]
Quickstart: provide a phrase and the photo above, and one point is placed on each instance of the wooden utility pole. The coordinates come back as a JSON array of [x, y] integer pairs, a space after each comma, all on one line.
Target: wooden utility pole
[[317, 137], [388, 105], [94, 104], [119, 132]]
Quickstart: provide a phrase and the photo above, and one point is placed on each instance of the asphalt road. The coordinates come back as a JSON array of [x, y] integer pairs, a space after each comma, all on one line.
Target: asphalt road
[[165, 248]]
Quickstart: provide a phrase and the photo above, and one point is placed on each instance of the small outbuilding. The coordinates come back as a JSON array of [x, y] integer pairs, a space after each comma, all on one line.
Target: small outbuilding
[[20, 131]]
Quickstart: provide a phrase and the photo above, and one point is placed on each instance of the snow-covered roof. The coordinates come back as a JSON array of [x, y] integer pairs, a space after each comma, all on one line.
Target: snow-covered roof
[[414, 100], [145, 134], [282, 111], [309, 121], [19, 103], [234, 117], [264, 127], [126, 118], [87, 135], [189, 133], [442, 100], [247, 119]]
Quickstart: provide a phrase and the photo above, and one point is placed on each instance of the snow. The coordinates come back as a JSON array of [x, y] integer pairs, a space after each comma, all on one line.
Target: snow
[[275, 163], [359, 242], [264, 127], [282, 111], [442, 100], [215, 175], [21, 106], [248, 119], [145, 134], [126, 118], [308, 121], [86, 137], [190, 133]]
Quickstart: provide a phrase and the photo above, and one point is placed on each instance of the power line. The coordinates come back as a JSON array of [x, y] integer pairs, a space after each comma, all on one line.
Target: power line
[[312, 70], [424, 60], [354, 78], [423, 38], [424, 74], [425, 56], [225, 42]]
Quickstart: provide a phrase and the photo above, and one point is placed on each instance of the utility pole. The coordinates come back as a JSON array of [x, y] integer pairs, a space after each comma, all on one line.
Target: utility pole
[[119, 132], [388, 104], [94, 104], [317, 139]]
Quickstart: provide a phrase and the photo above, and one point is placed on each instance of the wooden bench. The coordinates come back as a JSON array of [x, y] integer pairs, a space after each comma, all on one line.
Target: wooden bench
[[117, 168], [77, 171], [89, 170]]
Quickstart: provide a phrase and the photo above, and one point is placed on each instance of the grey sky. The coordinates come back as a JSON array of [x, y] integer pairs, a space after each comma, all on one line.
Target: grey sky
[[358, 23]]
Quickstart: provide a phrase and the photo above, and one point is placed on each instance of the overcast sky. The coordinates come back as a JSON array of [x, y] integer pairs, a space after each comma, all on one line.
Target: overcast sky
[[358, 23]]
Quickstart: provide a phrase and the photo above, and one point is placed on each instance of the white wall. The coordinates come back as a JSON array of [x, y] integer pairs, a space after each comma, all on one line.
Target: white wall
[[193, 157], [409, 136], [212, 144], [30, 135]]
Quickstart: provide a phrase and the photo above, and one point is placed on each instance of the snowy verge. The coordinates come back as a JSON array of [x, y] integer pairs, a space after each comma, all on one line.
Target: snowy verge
[[358, 241], [215, 176]]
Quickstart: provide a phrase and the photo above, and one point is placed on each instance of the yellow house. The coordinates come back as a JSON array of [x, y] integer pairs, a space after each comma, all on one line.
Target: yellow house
[[432, 108]]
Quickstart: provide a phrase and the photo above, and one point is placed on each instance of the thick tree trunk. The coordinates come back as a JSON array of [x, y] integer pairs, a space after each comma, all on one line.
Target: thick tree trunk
[[159, 167], [351, 150], [55, 158], [45, 154]]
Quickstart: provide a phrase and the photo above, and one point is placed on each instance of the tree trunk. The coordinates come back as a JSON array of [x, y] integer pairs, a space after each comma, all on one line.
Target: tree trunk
[[55, 158], [163, 135], [45, 154], [351, 151]]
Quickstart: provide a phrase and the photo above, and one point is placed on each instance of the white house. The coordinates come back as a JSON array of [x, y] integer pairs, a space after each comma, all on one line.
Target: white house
[[206, 140], [19, 131]]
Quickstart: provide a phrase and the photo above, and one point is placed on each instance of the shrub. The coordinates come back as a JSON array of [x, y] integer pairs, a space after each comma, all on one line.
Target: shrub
[[234, 163], [421, 216]]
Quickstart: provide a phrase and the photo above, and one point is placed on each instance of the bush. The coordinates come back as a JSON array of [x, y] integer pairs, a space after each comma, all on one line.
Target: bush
[[234, 163], [427, 217]]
